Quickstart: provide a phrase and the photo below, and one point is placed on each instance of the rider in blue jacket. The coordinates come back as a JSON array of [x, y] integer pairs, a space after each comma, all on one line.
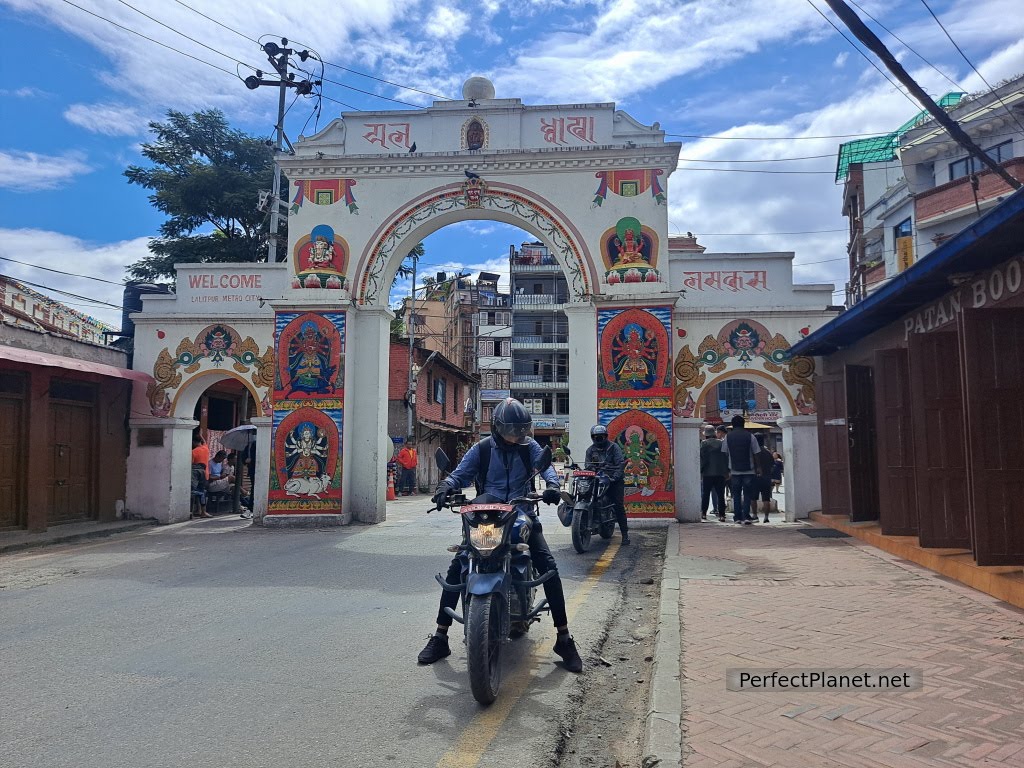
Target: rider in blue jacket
[[512, 455]]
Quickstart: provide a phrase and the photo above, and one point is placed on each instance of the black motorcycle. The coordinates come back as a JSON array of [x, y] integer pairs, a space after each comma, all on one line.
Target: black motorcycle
[[499, 584], [588, 509]]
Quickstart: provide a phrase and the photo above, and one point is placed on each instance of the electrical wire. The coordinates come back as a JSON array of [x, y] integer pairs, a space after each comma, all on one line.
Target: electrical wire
[[866, 57], [65, 293], [971, 64], [907, 46], [179, 32], [60, 272], [150, 39]]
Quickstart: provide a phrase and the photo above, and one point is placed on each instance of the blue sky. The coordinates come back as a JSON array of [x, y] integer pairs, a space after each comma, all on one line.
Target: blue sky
[[78, 92]]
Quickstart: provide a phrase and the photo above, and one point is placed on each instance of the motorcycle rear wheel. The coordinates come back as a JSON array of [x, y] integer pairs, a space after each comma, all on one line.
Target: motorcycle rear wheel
[[606, 529], [581, 530], [483, 646]]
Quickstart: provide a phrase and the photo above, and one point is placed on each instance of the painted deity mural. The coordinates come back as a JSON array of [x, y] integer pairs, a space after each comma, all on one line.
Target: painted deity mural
[[218, 345], [634, 394], [320, 259], [308, 424], [752, 347], [630, 253]]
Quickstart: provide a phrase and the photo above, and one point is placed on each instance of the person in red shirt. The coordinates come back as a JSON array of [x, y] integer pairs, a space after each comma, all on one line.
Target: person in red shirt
[[407, 461]]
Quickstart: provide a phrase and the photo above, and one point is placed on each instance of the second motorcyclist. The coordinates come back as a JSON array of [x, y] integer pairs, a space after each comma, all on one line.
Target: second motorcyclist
[[606, 456], [501, 466]]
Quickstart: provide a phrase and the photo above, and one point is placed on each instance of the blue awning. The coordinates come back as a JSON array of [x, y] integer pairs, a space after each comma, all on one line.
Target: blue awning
[[991, 240]]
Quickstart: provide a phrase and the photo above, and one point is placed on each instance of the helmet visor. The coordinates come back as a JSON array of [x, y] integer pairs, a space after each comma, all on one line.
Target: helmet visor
[[514, 433]]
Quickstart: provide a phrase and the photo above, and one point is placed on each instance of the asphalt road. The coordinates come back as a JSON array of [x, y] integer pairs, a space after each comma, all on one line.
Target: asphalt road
[[216, 643]]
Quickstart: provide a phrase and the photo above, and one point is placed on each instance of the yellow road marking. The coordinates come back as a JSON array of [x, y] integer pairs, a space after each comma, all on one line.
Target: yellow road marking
[[478, 735]]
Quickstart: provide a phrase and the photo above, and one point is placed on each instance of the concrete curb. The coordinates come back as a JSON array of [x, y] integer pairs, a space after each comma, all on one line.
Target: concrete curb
[[662, 732], [19, 541]]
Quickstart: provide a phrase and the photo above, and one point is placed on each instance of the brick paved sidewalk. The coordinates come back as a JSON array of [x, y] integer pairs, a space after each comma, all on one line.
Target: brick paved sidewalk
[[769, 597]]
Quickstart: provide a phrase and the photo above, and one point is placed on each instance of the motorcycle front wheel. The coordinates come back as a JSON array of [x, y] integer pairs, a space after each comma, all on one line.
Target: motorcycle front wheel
[[581, 530], [483, 646]]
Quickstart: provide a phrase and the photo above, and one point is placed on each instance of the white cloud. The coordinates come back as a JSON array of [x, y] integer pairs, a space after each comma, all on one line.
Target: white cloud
[[446, 22], [25, 92], [30, 171], [840, 60], [107, 119], [64, 252]]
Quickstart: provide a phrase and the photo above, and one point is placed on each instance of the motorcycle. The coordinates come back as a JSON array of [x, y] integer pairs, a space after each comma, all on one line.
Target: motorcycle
[[588, 507], [499, 584]]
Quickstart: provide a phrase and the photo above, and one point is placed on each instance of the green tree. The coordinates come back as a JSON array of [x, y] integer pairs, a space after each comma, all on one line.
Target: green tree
[[206, 177]]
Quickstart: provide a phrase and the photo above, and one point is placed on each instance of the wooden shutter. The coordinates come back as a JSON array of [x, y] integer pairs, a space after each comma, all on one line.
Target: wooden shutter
[[833, 444], [897, 490], [993, 348], [940, 453], [860, 415]]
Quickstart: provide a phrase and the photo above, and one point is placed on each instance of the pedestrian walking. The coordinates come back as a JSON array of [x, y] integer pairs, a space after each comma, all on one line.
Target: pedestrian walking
[[777, 468], [741, 447], [407, 460], [763, 465], [713, 466]]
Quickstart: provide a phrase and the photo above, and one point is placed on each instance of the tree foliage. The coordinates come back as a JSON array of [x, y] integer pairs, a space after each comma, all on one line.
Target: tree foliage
[[206, 177]]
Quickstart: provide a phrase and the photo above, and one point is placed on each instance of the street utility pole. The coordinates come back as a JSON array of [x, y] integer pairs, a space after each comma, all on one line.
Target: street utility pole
[[958, 134], [278, 57], [410, 331]]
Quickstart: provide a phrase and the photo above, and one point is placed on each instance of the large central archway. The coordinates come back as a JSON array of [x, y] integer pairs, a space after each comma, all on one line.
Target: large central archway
[[586, 180]]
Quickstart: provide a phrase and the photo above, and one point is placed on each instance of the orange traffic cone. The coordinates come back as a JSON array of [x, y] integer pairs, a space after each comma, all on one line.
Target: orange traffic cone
[[391, 486]]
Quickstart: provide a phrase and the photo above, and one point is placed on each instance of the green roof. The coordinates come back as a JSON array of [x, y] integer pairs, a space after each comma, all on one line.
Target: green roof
[[881, 149]]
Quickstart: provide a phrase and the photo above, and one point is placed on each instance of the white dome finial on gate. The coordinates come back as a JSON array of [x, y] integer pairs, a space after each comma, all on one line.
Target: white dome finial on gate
[[477, 89]]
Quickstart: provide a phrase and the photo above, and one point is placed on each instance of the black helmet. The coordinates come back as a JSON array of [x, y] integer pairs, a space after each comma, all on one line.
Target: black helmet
[[511, 421], [599, 434]]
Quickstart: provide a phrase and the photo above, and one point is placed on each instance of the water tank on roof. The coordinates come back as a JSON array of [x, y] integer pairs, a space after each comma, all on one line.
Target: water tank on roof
[[132, 302]]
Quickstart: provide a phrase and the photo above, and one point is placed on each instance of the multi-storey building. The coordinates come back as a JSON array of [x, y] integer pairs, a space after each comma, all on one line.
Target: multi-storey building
[[494, 349], [540, 339], [908, 191]]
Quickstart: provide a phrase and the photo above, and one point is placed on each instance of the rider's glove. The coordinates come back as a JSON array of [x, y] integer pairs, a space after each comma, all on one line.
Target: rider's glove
[[441, 495], [550, 496]]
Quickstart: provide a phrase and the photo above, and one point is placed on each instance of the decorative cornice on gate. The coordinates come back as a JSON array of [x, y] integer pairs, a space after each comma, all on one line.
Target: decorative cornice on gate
[[495, 197], [445, 163]]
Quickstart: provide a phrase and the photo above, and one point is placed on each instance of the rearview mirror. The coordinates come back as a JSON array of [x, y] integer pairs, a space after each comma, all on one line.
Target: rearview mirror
[[544, 460], [567, 451], [441, 460]]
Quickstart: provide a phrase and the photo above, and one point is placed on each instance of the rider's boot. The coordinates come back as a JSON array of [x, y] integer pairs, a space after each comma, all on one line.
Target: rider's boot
[[435, 649], [565, 647]]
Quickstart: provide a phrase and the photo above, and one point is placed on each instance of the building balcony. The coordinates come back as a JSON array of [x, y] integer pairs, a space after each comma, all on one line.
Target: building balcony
[[538, 383], [538, 300], [955, 198], [548, 341], [535, 268]]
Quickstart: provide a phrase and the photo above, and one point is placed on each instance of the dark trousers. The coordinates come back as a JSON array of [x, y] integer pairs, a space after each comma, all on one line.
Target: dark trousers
[[743, 489], [712, 488], [617, 495], [407, 480], [542, 563]]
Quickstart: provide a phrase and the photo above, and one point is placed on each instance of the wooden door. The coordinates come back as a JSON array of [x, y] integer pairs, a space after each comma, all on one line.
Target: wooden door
[[993, 348], [71, 492], [12, 449], [897, 482], [860, 410], [833, 444], [940, 448]]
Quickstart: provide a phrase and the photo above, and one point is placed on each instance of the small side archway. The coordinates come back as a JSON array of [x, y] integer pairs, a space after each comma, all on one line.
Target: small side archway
[[743, 348]]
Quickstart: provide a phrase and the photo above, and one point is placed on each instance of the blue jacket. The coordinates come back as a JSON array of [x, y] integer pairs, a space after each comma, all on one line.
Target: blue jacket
[[506, 475]]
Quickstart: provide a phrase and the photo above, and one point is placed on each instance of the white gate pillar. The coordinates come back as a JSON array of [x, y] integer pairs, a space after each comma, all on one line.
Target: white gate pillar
[[582, 375], [367, 445], [686, 443], [800, 450], [261, 472]]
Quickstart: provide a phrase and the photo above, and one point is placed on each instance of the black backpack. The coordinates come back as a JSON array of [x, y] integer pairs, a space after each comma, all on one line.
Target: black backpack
[[485, 462]]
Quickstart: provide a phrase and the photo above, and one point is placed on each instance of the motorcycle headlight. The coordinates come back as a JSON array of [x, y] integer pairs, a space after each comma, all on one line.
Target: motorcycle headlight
[[485, 538]]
